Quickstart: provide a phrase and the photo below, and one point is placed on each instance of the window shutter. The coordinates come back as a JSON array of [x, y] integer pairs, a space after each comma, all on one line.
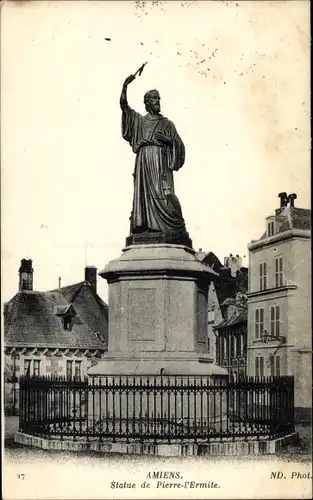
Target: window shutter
[[273, 321], [277, 321], [261, 321], [278, 366], [257, 324]]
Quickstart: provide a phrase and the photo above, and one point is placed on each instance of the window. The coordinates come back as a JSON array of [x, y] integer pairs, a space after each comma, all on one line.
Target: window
[[36, 370], [270, 228], [279, 275], [27, 365], [275, 321], [263, 276], [239, 349], [234, 347], [67, 322], [78, 365], [32, 367], [259, 366], [73, 369], [259, 323], [275, 365], [69, 368], [208, 345], [272, 365]]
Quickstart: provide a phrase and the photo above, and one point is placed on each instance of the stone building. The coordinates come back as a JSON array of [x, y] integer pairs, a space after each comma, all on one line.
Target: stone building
[[279, 301], [231, 340], [231, 331], [214, 310], [227, 312], [59, 332]]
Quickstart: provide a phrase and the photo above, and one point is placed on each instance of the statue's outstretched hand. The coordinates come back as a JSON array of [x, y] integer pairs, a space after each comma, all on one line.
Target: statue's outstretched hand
[[162, 137], [129, 79]]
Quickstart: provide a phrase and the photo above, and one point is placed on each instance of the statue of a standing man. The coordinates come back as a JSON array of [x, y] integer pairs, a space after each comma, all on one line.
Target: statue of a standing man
[[159, 151]]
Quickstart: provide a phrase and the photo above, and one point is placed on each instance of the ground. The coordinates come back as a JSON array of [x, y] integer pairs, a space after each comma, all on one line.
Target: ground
[[17, 452]]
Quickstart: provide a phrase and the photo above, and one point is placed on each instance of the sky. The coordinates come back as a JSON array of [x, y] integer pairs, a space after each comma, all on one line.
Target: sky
[[234, 79]]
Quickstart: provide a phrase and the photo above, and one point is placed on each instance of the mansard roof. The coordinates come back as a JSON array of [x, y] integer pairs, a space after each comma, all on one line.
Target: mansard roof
[[291, 218], [31, 318]]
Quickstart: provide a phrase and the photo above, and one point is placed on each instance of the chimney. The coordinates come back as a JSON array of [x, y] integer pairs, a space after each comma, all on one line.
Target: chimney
[[91, 276], [233, 263], [291, 198], [26, 275], [59, 282], [283, 199]]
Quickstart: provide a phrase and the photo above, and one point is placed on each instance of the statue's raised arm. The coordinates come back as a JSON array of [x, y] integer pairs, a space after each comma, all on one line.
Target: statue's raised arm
[[123, 98]]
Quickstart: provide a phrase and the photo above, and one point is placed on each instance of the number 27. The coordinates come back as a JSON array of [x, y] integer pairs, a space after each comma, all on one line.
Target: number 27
[[21, 476]]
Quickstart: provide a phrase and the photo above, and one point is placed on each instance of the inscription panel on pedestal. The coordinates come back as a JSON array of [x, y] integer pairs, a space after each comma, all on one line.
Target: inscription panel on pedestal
[[141, 314], [202, 304]]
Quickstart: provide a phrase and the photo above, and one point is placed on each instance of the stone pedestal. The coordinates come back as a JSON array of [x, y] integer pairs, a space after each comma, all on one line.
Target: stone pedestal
[[157, 313]]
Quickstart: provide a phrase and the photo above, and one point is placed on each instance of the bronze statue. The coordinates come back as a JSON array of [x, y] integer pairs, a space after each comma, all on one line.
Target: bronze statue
[[159, 151]]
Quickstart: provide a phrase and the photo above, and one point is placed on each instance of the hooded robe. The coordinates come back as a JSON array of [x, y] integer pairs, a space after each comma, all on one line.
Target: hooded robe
[[155, 205]]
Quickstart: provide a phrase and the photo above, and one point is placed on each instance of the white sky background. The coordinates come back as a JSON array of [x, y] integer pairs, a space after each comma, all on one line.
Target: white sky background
[[234, 79]]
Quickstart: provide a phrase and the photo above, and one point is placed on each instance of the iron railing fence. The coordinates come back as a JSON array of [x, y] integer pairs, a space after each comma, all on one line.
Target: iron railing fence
[[156, 408]]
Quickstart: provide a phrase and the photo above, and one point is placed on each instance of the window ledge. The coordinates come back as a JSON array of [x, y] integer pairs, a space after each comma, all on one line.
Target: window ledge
[[268, 291], [281, 340], [269, 341]]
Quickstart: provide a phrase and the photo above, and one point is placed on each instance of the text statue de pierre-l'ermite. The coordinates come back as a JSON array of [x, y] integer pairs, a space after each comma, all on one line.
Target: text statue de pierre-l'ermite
[[159, 151]]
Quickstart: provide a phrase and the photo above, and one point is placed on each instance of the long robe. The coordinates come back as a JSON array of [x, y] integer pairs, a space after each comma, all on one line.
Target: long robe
[[155, 205]]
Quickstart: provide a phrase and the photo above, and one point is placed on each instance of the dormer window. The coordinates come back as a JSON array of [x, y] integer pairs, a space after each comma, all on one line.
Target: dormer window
[[66, 313], [270, 227]]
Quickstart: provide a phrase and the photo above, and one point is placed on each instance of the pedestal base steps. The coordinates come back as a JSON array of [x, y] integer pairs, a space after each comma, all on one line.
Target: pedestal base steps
[[151, 366], [224, 448]]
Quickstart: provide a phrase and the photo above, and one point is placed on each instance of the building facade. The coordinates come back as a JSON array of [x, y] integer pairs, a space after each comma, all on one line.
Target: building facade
[[60, 332], [227, 313], [279, 301], [231, 331], [231, 341]]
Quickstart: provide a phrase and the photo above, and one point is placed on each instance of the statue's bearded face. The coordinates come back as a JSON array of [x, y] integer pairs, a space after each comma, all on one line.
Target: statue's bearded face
[[153, 102]]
